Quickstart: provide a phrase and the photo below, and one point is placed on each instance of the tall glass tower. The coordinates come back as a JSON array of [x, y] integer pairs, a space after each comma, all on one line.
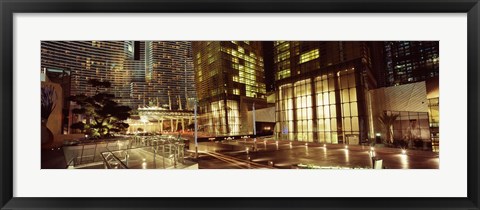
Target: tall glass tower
[[230, 78], [321, 90]]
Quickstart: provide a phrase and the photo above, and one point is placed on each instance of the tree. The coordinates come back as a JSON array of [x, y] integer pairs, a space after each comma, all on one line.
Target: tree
[[103, 115], [387, 120]]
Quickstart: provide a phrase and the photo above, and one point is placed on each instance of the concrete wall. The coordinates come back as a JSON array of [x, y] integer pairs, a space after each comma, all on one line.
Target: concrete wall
[[263, 115], [409, 97]]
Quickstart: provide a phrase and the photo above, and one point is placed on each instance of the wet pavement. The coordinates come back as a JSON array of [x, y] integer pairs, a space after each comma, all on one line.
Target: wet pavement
[[268, 153], [237, 154]]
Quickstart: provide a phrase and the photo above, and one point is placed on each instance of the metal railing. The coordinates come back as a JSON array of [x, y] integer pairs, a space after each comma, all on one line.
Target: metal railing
[[169, 149], [90, 153]]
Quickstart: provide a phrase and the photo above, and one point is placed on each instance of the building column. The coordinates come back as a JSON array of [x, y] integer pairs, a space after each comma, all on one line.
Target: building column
[[225, 107], [361, 84], [161, 126], [294, 109], [176, 124], [158, 124], [338, 106], [314, 110], [183, 125]]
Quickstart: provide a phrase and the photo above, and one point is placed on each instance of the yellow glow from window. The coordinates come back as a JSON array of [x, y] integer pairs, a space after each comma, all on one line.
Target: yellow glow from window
[[308, 56], [282, 56], [283, 74]]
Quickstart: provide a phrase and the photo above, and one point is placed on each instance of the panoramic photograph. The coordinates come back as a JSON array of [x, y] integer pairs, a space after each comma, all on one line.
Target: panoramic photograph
[[240, 105]]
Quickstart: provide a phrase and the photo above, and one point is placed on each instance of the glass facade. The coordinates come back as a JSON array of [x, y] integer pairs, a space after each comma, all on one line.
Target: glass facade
[[434, 115], [319, 91], [326, 109], [216, 115], [230, 75], [284, 112], [330, 102], [303, 107], [410, 61], [142, 73], [411, 126], [349, 106]]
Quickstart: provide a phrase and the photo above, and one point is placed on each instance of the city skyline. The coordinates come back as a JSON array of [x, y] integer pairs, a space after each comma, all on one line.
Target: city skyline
[[317, 93]]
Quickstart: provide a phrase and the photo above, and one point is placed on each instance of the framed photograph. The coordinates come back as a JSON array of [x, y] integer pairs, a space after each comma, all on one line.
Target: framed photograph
[[239, 105]]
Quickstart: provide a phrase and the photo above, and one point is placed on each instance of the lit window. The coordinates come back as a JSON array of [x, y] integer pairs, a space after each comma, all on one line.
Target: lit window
[[282, 56], [236, 91], [308, 56]]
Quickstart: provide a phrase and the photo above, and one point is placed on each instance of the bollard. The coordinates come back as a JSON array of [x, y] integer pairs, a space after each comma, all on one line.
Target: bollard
[[377, 163]]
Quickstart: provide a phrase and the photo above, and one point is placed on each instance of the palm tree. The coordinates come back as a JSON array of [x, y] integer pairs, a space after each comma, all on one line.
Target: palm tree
[[387, 121]]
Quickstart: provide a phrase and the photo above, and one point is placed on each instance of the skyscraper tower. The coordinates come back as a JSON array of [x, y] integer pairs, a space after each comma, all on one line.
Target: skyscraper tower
[[410, 61], [321, 90], [167, 75], [229, 76], [142, 73]]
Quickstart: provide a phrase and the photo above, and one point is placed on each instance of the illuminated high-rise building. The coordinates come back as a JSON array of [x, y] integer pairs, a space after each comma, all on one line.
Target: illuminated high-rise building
[[230, 78], [85, 60], [167, 79], [410, 61], [322, 91], [142, 73]]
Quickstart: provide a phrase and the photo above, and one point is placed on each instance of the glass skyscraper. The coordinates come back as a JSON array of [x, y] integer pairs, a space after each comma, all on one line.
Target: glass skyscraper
[[142, 73], [410, 61], [321, 91], [230, 78]]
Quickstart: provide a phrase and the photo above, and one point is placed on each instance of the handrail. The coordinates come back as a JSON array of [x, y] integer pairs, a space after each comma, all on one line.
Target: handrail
[[115, 157], [166, 146]]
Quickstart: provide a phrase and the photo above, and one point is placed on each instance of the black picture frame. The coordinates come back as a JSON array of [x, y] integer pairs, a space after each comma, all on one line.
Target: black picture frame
[[10, 7]]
